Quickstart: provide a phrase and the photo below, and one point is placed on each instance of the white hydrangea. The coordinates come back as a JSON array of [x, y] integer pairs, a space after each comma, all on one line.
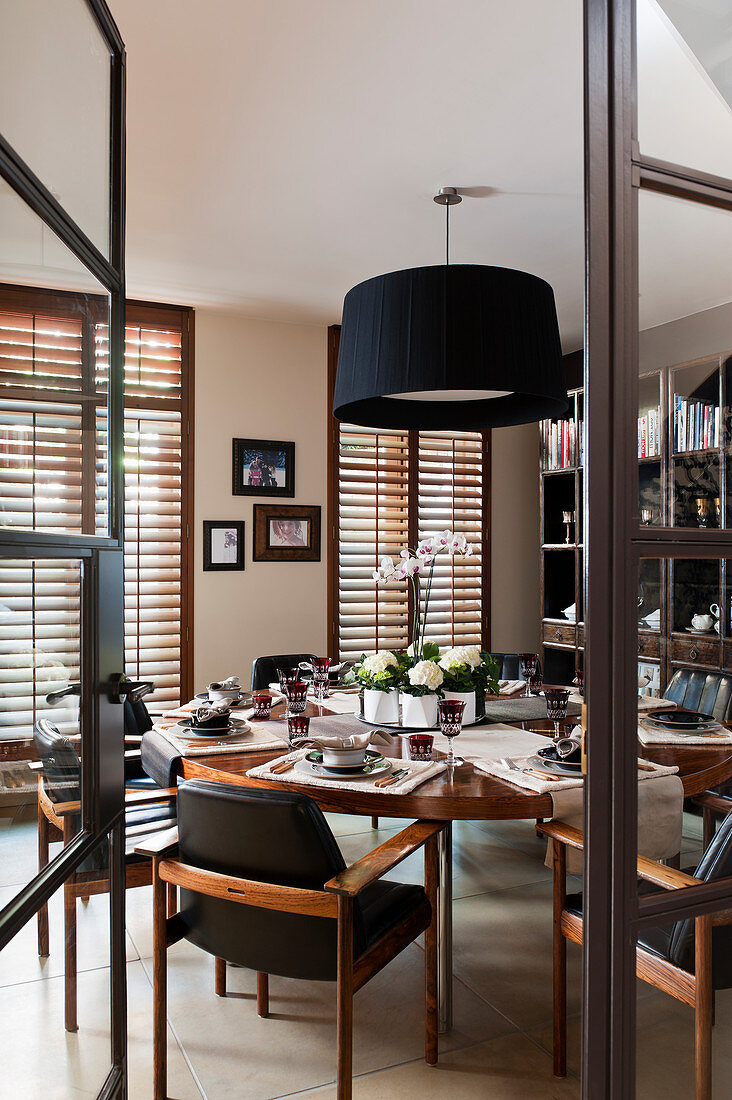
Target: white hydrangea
[[426, 673], [461, 655], [378, 662]]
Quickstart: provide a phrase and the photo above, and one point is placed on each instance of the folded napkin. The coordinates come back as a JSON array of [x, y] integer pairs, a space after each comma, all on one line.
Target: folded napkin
[[340, 703], [206, 712], [511, 687], [654, 735], [650, 702], [229, 684], [419, 773]]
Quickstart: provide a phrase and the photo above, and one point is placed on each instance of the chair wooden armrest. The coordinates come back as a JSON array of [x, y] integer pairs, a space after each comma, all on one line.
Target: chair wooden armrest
[[35, 765], [364, 871], [142, 798], [710, 800], [133, 740], [159, 843], [648, 869], [133, 754]]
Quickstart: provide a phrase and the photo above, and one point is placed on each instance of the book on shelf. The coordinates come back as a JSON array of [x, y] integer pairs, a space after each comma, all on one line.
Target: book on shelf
[[696, 425], [558, 444], [649, 433]]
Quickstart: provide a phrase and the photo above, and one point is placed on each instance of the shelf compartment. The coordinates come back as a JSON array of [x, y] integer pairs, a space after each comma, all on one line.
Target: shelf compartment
[[558, 666], [696, 489], [559, 569], [559, 497]]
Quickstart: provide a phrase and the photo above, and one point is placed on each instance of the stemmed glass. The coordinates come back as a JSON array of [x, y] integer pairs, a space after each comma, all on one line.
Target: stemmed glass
[[287, 675], [321, 669], [557, 700], [529, 665], [451, 723], [535, 684], [296, 694]]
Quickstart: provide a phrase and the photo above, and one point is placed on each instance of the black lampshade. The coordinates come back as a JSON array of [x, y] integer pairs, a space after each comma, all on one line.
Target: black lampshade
[[480, 343]]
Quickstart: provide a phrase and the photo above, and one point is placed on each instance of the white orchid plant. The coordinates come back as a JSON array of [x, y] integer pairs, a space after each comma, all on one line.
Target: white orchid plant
[[413, 565]]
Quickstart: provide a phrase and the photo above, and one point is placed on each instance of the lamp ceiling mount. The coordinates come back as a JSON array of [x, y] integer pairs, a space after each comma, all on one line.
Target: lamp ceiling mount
[[447, 196]]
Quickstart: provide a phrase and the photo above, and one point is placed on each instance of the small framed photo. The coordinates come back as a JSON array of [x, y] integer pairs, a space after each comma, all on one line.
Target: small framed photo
[[223, 544], [286, 532], [263, 468]]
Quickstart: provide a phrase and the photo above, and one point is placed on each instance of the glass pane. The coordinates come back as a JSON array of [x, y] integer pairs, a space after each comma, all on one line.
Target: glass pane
[[40, 1057], [53, 463], [40, 623], [685, 361], [685, 83], [55, 104]]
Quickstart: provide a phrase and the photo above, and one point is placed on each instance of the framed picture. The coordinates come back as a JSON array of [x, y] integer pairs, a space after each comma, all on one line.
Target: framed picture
[[263, 468], [223, 544], [286, 532]]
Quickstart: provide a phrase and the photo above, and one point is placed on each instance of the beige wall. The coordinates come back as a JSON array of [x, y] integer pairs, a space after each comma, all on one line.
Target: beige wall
[[515, 539], [261, 380]]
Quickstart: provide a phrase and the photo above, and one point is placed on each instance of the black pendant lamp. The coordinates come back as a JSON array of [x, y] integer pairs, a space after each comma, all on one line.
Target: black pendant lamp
[[459, 346]]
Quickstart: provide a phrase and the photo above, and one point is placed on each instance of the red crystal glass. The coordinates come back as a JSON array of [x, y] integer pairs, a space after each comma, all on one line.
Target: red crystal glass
[[296, 694], [321, 669], [262, 705], [420, 746], [451, 722], [298, 726]]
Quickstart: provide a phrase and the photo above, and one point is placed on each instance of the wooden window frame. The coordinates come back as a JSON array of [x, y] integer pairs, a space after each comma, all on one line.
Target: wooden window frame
[[332, 498], [72, 304]]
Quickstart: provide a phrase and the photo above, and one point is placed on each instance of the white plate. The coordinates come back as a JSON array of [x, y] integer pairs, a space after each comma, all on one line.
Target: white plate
[[236, 726], [382, 768], [704, 633], [553, 767]]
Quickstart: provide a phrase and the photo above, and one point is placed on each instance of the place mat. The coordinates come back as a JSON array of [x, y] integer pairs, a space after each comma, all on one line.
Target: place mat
[[650, 702], [522, 709], [646, 770], [338, 702], [420, 773], [652, 735], [259, 739]]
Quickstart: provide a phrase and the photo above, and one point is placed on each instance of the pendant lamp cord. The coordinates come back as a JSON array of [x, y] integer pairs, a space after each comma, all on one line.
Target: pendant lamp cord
[[447, 234]]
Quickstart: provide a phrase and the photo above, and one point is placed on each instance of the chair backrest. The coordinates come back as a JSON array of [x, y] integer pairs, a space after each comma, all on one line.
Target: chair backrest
[[136, 717], [510, 666], [61, 767], [264, 669], [714, 864], [708, 692], [268, 836]]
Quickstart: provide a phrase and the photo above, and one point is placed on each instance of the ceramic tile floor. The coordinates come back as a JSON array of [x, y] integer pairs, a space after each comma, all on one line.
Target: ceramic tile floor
[[500, 1046]]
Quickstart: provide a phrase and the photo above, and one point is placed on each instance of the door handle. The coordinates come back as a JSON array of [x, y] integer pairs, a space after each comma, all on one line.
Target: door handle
[[56, 696], [119, 686]]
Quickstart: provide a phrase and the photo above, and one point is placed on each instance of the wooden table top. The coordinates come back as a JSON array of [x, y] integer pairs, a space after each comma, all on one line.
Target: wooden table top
[[467, 794]]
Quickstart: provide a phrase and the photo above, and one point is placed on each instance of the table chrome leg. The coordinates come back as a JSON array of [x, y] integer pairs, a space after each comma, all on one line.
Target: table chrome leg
[[444, 930]]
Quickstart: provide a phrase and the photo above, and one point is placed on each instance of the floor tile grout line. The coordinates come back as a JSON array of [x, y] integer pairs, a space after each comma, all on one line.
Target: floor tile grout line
[[176, 1036]]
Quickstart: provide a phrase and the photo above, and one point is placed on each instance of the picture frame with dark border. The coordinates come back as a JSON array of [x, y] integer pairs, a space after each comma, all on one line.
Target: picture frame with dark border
[[223, 545], [286, 532], [262, 468]]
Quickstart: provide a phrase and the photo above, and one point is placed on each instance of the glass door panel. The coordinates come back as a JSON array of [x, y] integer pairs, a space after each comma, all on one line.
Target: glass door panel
[[52, 397], [55, 104]]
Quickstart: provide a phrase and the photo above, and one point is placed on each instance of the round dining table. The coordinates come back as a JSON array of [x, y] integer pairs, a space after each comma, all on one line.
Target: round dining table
[[459, 794]]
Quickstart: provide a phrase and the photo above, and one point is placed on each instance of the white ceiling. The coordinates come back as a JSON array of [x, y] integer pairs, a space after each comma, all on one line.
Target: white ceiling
[[281, 151]]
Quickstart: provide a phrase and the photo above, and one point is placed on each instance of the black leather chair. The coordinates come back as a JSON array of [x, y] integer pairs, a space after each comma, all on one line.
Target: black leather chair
[[264, 669], [689, 959], [510, 666], [709, 692], [59, 809], [264, 886]]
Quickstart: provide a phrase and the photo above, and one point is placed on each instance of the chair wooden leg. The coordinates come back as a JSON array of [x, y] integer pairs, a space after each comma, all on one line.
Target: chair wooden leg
[[703, 1009], [344, 1019], [559, 862], [431, 878], [263, 995], [172, 899], [43, 948], [160, 991], [374, 821], [220, 977], [70, 957]]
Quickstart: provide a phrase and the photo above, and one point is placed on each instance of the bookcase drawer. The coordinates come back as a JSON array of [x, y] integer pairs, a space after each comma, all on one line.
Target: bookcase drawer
[[696, 651], [558, 633], [649, 645]]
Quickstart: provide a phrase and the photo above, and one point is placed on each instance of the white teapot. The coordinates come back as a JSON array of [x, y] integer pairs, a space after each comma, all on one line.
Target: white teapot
[[702, 622]]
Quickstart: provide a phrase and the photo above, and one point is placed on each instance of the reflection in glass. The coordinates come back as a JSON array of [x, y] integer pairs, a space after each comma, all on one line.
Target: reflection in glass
[[55, 104]]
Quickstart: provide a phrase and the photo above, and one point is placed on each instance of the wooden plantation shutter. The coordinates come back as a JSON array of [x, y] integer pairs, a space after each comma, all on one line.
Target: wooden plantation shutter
[[387, 490], [451, 473], [373, 483], [53, 379]]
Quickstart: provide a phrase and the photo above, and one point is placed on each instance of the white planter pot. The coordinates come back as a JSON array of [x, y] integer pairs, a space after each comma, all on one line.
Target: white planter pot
[[381, 706], [467, 697], [418, 712]]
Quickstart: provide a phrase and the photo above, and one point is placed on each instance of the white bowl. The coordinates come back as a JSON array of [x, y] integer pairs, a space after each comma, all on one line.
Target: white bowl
[[342, 757], [224, 695]]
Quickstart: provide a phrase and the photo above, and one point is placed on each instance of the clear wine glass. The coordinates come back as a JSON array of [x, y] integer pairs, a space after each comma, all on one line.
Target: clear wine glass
[[557, 701], [451, 723]]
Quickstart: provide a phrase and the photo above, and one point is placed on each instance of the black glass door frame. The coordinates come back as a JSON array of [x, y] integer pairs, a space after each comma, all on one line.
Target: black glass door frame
[[615, 542], [101, 557]]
